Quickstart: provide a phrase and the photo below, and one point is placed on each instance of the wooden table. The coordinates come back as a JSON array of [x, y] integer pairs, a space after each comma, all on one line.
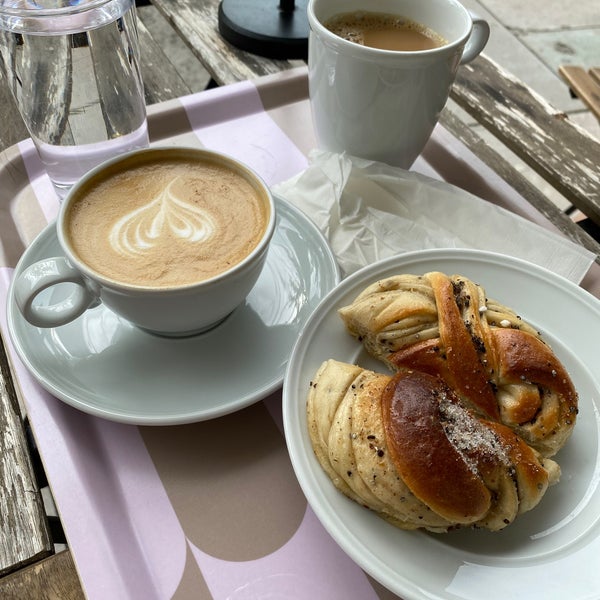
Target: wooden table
[[560, 152]]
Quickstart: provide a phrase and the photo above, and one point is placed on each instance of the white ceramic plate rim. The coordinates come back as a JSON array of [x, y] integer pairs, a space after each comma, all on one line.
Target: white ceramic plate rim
[[335, 512], [86, 402]]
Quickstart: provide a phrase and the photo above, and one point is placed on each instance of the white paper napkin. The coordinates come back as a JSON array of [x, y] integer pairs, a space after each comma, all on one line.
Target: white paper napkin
[[369, 211]]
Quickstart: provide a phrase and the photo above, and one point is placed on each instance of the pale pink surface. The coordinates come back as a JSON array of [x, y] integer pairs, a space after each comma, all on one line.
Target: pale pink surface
[[308, 567], [232, 120]]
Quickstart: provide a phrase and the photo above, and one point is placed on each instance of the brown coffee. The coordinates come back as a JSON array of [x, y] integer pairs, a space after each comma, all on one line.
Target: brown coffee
[[166, 223], [384, 31]]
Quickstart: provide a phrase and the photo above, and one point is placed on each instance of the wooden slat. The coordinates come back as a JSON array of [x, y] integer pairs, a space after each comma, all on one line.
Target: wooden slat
[[161, 79], [519, 182], [54, 578], [197, 23], [24, 533], [544, 138], [586, 85]]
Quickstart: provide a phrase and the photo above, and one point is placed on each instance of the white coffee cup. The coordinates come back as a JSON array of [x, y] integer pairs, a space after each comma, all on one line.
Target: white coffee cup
[[383, 104], [169, 309]]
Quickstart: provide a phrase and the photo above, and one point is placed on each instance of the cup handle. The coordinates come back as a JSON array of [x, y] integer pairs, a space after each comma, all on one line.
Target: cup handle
[[43, 275], [477, 40]]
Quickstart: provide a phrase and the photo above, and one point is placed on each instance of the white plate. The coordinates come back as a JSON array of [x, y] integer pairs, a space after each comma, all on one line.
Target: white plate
[[103, 365], [552, 552]]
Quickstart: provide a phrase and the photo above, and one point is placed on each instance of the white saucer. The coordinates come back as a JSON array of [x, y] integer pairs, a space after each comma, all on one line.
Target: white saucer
[[103, 365], [552, 552]]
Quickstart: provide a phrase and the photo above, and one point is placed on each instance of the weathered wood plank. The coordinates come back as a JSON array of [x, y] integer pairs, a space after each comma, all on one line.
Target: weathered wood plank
[[53, 578], [562, 153], [24, 533], [519, 182], [161, 80], [197, 23]]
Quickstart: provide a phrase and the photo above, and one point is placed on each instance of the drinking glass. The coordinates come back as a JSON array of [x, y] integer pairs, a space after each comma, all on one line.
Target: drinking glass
[[74, 71]]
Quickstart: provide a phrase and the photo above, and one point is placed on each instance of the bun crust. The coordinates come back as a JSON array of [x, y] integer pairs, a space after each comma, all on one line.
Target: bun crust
[[498, 364], [462, 433]]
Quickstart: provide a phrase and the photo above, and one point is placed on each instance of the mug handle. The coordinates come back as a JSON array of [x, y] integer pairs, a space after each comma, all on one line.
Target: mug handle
[[43, 275], [477, 40]]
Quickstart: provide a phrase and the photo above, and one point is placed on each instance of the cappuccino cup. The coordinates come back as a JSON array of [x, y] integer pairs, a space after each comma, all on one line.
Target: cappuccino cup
[[171, 239], [375, 101]]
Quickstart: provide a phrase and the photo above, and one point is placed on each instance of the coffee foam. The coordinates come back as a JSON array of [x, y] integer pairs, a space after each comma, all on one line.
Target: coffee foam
[[166, 224], [141, 230]]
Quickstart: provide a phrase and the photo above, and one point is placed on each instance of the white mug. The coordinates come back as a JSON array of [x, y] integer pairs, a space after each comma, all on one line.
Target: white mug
[[175, 310], [383, 104]]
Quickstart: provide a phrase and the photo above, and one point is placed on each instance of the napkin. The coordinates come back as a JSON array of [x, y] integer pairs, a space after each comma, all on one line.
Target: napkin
[[369, 211]]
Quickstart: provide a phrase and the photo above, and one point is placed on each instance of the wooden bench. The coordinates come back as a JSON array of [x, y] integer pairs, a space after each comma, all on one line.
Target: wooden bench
[[510, 111], [584, 84]]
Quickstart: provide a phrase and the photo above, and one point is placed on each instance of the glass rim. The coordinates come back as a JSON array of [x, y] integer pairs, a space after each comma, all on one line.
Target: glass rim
[[30, 9]]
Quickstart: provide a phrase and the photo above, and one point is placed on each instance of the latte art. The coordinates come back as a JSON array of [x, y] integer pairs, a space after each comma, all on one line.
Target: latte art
[[141, 229], [167, 223]]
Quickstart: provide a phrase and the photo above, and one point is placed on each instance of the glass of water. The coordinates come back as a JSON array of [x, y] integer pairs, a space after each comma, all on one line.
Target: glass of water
[[73, 68]]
